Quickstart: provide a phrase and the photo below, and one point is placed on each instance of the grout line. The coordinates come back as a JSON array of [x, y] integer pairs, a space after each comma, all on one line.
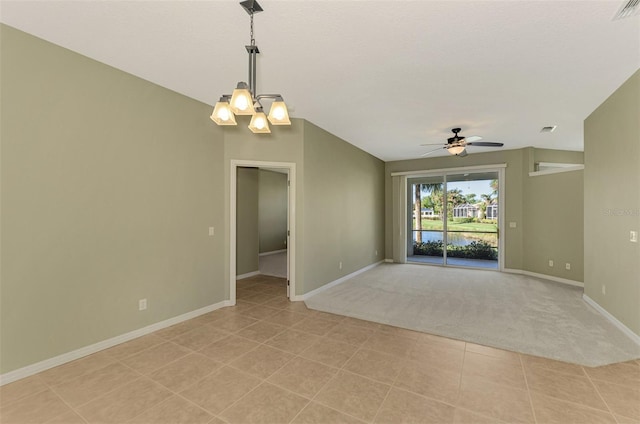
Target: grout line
[[337, 372], [46, 387], [464, 357], [68, 406], [178, 394], [572, 403], [600, 395], [262, 381], [526, 383], [338, 369], [392, 386], [104, 394]]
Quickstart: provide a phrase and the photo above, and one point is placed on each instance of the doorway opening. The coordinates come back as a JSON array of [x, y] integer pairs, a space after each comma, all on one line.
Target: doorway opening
[[277, 239], [454, 219]]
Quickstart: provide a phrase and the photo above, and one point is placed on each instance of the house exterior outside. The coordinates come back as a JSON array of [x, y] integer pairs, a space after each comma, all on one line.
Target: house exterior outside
[[474, 211]]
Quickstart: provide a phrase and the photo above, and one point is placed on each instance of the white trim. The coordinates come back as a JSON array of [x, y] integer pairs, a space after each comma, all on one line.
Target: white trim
[[335, 282], [291, 214], [404, 220], [558, 164], [498, 168], [545, 277], [273, 252], [297, 297], [247, 275], [389, 261], [448, 170], [626, 330], [501, 214], [557, 171], [105, 344]]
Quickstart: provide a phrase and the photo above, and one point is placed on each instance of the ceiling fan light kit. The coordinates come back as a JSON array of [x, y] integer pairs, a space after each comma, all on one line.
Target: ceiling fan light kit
[[455, 150], [244, 100]]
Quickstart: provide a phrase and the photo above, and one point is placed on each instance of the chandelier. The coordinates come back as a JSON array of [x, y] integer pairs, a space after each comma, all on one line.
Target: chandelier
[[244, 100]]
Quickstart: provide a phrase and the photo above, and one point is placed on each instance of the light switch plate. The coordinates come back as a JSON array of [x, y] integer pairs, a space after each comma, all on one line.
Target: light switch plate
[[512, 224], [633, 236]]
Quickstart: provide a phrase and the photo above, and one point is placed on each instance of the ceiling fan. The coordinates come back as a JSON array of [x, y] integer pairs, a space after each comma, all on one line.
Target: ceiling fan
[[457, 145]]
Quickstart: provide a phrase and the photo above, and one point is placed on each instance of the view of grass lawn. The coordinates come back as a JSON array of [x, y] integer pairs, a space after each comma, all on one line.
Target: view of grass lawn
[[428, 225]]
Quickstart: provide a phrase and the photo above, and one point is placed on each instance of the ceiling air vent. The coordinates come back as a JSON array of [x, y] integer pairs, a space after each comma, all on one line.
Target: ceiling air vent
[[630, 8], [551, 129]]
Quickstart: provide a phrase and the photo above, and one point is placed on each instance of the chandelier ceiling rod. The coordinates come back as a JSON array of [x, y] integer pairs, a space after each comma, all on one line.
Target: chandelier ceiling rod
[[251, 7]]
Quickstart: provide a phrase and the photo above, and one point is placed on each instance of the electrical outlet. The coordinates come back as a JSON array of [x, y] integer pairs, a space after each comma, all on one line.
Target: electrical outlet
[[633, 236], [512, 224], [604, 289], [567, 266], [212, 231], [340, 265], [550, 262], [142, 304]]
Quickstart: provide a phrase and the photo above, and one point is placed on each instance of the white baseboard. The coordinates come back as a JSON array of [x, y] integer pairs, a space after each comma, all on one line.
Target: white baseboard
[[105, 344], [626, 330], [545, 277], [247, 275], [389, 261], [335, 282], [273, 252]]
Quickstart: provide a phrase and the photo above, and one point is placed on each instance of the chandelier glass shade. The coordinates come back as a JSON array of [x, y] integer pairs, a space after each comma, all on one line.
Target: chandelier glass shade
[[244, 100], [259, 124], [279, 115], [222, 114]]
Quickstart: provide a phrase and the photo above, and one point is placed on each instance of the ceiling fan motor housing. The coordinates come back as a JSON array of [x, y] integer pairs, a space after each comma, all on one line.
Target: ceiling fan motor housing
[[456, 138]]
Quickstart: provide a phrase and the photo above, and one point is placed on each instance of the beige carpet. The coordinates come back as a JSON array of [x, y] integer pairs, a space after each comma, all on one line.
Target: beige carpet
[[507, 311]]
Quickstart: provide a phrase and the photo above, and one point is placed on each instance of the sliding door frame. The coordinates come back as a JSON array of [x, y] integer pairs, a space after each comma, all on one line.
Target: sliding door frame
[[499, 168]]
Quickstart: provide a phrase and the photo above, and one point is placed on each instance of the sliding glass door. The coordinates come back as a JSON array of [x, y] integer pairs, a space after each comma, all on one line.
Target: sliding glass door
[[426, 233], [458, 219]]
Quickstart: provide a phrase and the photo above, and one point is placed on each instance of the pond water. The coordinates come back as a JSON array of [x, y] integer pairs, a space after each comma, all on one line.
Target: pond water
[[458, 239]]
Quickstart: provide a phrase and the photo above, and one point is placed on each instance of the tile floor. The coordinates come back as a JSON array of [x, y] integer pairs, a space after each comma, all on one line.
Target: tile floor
[[268, 360]]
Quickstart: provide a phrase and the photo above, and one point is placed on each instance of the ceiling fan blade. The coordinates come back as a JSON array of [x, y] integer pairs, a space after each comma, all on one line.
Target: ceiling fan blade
[[485, 144], [463, 153], [431, 151], [473, 138]]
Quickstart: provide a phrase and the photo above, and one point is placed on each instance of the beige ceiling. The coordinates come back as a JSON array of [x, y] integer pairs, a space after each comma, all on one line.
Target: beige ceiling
[[385, 76]]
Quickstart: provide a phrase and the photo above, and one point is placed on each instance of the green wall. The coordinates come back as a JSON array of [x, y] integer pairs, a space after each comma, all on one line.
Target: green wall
[[272, 210], [612, 203], [110, 184], [553, 216], [247, 229], [546, 209], [344, 208], [108, 190]]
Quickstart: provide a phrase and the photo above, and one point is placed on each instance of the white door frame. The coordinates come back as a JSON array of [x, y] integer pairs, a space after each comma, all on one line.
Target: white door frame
[[499, 168], [291, 221]]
